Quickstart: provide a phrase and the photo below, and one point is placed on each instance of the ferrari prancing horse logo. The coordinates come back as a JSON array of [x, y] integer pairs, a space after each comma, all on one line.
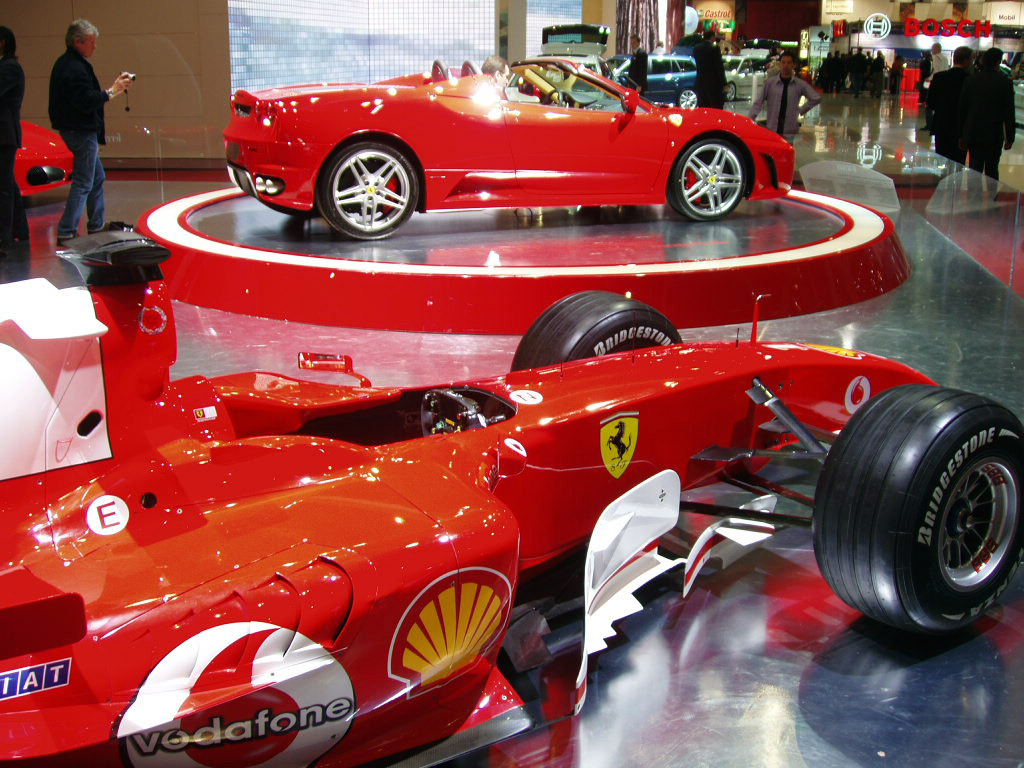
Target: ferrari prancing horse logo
[[618, 441]]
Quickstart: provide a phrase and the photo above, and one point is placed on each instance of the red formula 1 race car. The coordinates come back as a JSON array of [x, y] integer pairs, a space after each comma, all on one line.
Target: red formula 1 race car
[[255, 570], [366, 156], [44, 162]]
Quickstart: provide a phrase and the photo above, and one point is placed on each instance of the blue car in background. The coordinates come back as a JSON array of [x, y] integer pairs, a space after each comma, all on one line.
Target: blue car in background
[[671, 78]]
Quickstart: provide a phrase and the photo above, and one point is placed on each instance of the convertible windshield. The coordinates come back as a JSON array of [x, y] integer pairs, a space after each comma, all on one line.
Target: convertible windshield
[[560, 86]]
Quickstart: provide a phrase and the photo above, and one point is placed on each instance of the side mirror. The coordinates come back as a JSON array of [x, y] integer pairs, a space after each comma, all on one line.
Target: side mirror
[[630, 100]]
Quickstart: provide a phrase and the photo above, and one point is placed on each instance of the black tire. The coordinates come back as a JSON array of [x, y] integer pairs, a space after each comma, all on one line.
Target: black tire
[[367, 190], [589, 324], [730, 92], [917, 519], [708, 180]]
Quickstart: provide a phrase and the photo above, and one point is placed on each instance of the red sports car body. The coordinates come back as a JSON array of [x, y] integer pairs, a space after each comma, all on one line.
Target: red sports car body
[[366, 156], [253, 569], [44, 162]]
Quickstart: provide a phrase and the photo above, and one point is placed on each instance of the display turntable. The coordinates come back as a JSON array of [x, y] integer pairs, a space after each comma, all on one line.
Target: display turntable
[[494, 271]]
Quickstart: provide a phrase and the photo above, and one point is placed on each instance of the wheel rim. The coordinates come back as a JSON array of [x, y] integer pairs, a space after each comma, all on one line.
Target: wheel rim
[[981, 518], [732, 92], [712, 179], [371, 190], [688, 99]]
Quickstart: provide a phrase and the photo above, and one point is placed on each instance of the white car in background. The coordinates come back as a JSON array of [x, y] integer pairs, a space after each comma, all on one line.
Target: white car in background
[[740, 72]]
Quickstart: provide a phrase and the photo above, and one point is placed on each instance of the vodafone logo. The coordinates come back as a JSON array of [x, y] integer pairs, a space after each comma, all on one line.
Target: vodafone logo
[[857, 393], [239, 695]]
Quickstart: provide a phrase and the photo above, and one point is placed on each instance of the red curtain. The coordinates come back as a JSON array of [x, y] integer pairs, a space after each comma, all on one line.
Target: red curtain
[[636, 17]]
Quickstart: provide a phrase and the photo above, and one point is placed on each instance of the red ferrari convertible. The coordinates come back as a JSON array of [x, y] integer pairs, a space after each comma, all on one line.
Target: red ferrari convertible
[[43, 162], [254, 569], [366, 156]]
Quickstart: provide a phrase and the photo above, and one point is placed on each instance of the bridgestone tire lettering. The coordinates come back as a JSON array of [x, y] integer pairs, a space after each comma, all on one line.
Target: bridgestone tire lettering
[[591, 324]]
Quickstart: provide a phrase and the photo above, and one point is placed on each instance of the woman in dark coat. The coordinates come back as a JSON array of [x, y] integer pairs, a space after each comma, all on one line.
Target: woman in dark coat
[[13, 224]]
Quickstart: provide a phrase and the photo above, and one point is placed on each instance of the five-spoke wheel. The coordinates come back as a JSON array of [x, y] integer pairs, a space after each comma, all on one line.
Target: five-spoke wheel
[[707, 181], [367, 190]]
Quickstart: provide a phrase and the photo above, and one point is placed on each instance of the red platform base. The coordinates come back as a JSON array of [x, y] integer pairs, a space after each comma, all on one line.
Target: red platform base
[[862, 259]]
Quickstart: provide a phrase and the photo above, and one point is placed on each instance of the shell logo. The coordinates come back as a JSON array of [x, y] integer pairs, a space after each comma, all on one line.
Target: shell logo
[[840, 351], [448, 626]]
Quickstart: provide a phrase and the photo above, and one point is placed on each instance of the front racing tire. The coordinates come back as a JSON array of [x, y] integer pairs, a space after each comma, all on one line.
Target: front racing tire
[[589, 324], [917, 519], [367, 190], [708, 180]]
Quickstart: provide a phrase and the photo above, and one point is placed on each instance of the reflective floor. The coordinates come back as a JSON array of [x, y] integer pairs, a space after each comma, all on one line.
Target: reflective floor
[[761, 665]]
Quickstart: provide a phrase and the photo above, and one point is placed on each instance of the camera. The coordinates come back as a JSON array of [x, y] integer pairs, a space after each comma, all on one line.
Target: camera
[[131, 76]]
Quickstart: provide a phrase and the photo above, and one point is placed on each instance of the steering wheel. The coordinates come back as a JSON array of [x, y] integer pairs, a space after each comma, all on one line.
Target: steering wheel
[[443, 411]]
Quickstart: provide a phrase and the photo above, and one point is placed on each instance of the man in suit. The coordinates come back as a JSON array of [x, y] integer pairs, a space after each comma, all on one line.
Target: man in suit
[[987, 123], [944, 102], [710, 72], [13, 224], [638, 66]]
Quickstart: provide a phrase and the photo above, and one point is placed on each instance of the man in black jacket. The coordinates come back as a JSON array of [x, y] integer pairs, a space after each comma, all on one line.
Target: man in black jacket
[[987, 123], [944, 102], [76, 112], [13, 224], [638, 65], [710, 72]]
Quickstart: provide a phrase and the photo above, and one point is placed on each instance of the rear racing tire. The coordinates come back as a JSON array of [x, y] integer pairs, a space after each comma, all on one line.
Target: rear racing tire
[[367, 190], [708, 180], [589, 324], [917, 519]]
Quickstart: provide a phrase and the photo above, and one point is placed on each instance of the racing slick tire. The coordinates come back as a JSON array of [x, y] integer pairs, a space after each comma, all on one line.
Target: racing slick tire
[[367, 190], [589, 324], [917, 519], [707, 180]]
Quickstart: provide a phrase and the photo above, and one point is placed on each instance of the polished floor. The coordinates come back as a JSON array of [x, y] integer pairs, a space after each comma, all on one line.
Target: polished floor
[[761, 665]]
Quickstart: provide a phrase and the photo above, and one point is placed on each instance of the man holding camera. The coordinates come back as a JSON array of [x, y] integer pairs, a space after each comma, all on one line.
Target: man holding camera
[[76, 112]]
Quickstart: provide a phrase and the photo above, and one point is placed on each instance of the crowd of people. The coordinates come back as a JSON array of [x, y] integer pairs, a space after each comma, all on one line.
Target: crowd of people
[[967, 103]]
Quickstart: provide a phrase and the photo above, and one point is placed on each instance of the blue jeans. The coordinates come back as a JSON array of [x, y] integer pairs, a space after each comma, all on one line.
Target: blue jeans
[[87, 179]]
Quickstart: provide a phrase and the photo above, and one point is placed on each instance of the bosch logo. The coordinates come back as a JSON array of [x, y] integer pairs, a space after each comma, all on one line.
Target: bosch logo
[[281, 717], [877, 26]]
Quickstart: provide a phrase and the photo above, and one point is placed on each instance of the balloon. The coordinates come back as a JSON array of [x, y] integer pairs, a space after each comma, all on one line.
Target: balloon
[[690, 20]]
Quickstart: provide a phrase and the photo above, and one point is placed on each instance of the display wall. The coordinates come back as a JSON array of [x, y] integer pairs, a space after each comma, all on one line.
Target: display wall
[[275, 42]]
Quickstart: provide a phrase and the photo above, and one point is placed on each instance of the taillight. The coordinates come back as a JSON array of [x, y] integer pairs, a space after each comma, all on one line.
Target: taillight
[[266, 112]]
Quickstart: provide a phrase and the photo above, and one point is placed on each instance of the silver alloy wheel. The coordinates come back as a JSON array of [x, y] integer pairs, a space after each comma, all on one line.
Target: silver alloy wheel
[[730, 93], [371, 190], [688, 98], [981, 517], [712, 180]]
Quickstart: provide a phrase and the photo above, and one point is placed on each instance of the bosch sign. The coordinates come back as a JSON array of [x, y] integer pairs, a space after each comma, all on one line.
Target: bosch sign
[[947, 28]]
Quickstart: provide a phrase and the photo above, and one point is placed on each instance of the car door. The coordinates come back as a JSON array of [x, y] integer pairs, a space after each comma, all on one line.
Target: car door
[[583, 146], [661, 76]]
